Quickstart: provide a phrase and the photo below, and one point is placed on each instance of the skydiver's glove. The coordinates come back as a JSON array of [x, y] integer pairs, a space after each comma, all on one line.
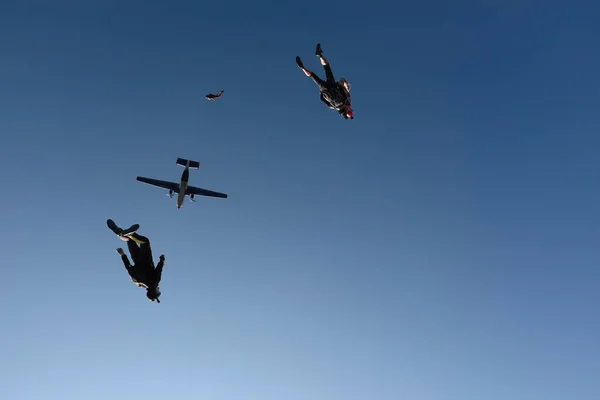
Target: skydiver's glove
[[162, 257]]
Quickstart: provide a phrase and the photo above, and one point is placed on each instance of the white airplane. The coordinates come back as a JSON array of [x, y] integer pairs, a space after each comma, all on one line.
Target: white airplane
[[182, 188]]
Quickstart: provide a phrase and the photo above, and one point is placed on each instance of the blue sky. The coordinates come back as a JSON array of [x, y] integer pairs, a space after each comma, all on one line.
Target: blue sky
[[441, 245]]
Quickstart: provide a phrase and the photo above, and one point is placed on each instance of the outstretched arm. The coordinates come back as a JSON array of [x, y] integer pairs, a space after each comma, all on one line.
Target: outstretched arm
[[159, 267], [348, 95], [124, 258]]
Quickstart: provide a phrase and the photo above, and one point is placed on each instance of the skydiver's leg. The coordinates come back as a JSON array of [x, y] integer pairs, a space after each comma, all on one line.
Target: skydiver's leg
[[320, 83], [145, 251], [134, 250], [139, 238], [325, 64]]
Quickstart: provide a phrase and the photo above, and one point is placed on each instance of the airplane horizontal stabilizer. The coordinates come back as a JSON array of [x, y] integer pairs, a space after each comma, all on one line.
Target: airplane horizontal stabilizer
[[183, 162]]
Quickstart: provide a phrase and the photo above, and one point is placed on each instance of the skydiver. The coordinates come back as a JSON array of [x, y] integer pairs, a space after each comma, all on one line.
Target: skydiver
[[213, 97], [142, 273], [335, 95]]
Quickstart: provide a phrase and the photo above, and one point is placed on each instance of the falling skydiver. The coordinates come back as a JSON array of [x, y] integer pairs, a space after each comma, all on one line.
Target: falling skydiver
[[213, 97], [336, 95], [142, 273]]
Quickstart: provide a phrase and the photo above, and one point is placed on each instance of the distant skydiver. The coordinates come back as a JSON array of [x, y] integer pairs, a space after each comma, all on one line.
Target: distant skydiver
[[213, 97], [336, 95], [142, 273]]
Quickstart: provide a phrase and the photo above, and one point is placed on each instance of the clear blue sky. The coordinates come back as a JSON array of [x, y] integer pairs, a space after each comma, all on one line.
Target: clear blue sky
[[441, 245]]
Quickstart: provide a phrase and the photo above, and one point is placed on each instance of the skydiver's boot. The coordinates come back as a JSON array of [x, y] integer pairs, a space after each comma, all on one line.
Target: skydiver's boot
[[319, 51], [120, 232], [299, 62]]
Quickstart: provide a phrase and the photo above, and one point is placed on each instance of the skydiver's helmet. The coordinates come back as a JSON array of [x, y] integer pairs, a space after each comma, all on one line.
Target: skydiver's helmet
[[349, 113], [346, 112], [153, 294]]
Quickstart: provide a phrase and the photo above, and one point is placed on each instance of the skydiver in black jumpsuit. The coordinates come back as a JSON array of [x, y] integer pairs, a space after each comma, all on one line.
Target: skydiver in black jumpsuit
[[335, 95], [142, 272]]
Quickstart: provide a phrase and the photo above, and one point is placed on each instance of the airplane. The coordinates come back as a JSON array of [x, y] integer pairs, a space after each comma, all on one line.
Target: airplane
[[182, 189]]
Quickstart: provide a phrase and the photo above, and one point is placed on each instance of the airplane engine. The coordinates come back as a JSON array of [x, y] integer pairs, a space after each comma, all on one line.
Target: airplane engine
[[170, 194], [192, 198]]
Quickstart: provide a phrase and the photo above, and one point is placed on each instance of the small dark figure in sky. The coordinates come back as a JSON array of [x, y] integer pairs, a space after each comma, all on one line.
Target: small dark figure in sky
[[336, 95], [214, 97], [142, 273]]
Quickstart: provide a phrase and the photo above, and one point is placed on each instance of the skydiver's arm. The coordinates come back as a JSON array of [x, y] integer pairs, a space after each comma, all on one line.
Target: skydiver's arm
[[124, 259], [126, 262], [159, 268], [325, 101]]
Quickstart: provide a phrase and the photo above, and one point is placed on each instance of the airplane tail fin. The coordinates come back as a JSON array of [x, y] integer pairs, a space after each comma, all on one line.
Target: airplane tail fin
[[183, 162]]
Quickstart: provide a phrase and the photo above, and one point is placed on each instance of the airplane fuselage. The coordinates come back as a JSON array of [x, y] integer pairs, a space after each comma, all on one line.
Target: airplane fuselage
[[185, 176]]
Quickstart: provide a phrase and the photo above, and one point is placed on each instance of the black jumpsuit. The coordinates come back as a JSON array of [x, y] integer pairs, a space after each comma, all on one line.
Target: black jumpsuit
[[142, 272], [333, 93]]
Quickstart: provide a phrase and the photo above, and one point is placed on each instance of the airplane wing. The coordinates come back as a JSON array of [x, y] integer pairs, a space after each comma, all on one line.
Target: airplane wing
[[163, 184], [203, 192]]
